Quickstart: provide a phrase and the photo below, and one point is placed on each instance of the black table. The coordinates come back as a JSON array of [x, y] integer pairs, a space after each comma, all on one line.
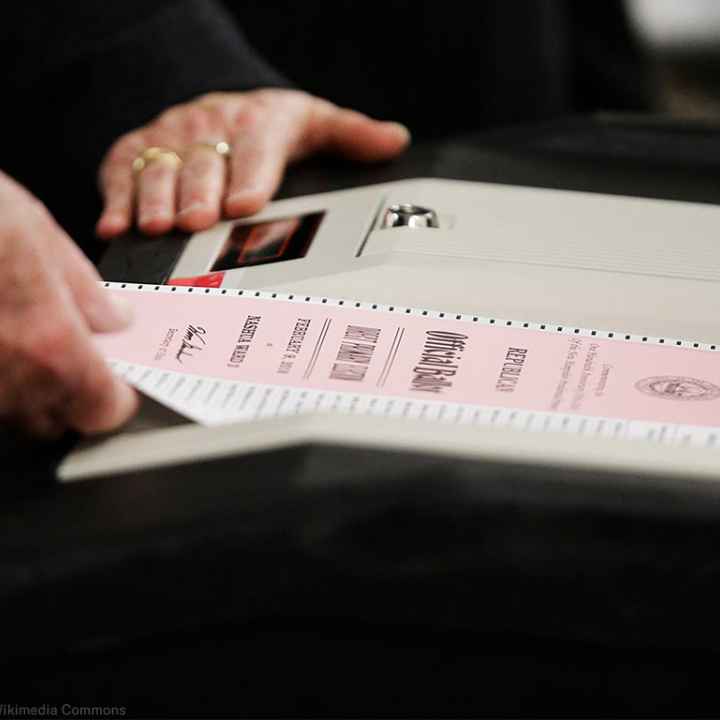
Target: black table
[[322, 581]]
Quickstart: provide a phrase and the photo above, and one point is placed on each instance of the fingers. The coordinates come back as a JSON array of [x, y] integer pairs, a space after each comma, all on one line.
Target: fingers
[[352, 134], [98, 401], [51, 375], [118, 186], [261, 150], [189, 198], [67, 382], [166, 192], [267, 128], [101, 401], [296, 129], [118, 190], [73, 385], [102, 311], [41, 411], [54, 378], [156, 196], [202, 186]]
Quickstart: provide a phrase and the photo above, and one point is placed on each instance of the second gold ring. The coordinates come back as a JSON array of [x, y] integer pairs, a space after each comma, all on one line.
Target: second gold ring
[[221, 147]]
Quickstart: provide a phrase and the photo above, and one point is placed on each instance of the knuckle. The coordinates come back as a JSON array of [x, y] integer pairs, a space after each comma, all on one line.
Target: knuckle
[[249, 116], [211, 97], [114, 181], [269, 96], [25, 277], [124, 147], [216, 113], [117, 150], [96, 406], [98, 384], [118, 159], [119, 192], [195, 120], [114, 153], [262, 97], [36, 209], [46, 346], [197, 197], [195, 182], [156, 174], [167, 118], [152, 203], [200, 166], [199, 192]]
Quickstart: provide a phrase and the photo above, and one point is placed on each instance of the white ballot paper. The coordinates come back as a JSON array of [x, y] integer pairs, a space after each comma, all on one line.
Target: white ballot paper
[[221, 356]]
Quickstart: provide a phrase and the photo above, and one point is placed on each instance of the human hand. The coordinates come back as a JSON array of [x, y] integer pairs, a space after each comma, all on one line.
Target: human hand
[[266, 129], [51, 376]]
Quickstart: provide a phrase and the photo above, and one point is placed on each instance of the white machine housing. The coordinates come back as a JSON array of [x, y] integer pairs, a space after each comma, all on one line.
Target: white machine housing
[[630, 265], [609, 262]]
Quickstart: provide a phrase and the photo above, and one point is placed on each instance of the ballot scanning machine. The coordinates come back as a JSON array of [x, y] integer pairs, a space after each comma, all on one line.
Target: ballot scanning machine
[[639, 271]]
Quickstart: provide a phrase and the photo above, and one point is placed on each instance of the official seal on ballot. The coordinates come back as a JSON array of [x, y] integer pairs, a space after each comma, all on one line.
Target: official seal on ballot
[[671, 387]]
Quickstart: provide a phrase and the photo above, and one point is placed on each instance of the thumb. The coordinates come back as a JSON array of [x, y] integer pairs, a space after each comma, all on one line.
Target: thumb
[[103, 311], [356, 136]]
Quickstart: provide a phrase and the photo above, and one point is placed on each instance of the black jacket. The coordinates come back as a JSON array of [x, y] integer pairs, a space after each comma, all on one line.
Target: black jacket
[[444, 67], [77, 75]]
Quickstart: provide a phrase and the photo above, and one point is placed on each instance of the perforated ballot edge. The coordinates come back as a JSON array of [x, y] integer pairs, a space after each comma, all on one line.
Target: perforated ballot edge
[[262, 400]]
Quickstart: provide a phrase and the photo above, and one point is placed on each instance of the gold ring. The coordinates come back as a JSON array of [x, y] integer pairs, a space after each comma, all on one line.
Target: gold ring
[[156, 154], [221, 147]]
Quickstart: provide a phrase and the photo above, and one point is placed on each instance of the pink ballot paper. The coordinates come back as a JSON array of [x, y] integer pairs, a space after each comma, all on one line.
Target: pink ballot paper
[[220, 356]]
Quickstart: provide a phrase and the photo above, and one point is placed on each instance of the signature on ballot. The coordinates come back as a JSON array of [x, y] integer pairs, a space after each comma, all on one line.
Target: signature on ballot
[[193, 335]]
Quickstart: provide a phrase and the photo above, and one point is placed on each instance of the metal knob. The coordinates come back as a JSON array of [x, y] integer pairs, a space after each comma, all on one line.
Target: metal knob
[[408, 215]]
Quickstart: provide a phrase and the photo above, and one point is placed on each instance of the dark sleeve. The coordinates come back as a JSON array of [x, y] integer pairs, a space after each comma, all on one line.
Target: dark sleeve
[[80, 74]]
